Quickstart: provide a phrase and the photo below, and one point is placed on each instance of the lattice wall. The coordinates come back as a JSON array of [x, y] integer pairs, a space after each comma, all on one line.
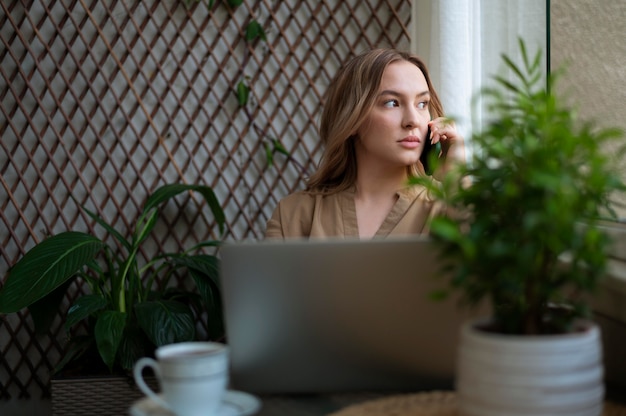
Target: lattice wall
[[105, 100]]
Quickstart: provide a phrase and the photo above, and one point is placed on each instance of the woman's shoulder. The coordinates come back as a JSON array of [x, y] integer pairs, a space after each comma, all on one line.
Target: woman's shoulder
[[297, 199], [417, 192], [292, 216], [309, 199], [307, 213]]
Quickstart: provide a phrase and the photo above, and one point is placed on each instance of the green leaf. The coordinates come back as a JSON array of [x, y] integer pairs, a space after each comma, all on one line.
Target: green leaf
[[166, 192], [203, 263], [146, 222], [206, 243], [278, 146], [46, 309], [45, 267], [204, 270], [514, 67], [211, 297], [243, 93], [254, 31], [269, 154], [235, 3], [84, 307], [439, 295], [119, 237], [108, 332], [446, 229], [166, 321], [76, 347], [133, 346]]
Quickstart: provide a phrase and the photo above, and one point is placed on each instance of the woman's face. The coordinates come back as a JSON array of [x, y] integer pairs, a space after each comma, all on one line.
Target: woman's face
[[394, 132]]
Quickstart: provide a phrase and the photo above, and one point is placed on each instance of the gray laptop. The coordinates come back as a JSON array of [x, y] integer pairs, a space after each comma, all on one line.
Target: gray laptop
[[337, 316]]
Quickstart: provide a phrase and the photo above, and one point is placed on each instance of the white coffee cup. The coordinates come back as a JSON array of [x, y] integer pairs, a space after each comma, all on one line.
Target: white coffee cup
[[192, 375]]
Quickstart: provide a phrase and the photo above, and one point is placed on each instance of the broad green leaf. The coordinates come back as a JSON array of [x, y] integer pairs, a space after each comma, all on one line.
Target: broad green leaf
[[83, 307], [46, 309], [45, 267], [206, 243], [133, 346], [166, 192], [204, 270], [166, 321], [235, 3], [77, 346], [203, 263], [108, 333], [212, 299]]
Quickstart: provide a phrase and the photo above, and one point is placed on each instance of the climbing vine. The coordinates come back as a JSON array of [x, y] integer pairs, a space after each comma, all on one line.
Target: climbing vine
[[254, 31]]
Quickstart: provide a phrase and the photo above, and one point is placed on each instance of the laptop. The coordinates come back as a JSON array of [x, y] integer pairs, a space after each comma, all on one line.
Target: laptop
[[322, 316]]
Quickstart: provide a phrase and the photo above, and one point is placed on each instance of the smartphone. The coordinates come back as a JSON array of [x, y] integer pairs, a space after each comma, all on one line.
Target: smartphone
[[429, 148]]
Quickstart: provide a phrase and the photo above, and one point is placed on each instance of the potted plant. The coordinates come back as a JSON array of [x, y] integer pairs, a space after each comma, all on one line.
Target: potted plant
[[525, 240], [130, 308]]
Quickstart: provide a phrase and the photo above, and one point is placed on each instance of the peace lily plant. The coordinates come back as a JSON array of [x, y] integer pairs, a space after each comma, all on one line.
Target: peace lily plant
[[130, 308]]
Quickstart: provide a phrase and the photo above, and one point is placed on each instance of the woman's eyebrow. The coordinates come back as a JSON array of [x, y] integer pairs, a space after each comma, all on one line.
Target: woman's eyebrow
[[397, 94]]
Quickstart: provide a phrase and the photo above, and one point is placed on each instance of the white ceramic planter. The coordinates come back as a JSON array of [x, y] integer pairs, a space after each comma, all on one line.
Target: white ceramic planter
[[505, 375]]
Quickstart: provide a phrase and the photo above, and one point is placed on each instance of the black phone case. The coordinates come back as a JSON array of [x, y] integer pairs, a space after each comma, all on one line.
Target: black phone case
[[428, 149]]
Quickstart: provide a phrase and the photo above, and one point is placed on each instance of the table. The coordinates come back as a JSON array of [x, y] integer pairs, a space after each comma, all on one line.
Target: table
[[435, 403]]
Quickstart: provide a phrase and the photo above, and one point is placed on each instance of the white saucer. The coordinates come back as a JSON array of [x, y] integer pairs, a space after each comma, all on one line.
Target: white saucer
[[234, 403]]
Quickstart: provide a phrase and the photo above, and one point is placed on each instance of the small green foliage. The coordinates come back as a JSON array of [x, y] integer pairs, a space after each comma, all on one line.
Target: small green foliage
[[235, 3], [275, 146], [243, 93], [540, 180], [209, 3], [278, 146], [255, 31]]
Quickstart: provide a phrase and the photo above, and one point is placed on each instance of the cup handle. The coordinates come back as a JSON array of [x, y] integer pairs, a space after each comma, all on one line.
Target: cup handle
[[138, 374]]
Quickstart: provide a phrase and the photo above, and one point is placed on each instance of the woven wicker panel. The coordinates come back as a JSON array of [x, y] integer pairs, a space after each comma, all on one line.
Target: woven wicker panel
[[105, 100], [106, 396]]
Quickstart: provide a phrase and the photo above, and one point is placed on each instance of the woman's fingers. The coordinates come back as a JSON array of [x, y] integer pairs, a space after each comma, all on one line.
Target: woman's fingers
[[442, 129]]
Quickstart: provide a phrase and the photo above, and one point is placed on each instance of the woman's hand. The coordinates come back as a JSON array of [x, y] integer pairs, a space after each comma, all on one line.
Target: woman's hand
[[443, 130]]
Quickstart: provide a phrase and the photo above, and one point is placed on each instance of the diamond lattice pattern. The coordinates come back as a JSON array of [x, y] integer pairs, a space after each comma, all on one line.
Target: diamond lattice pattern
[[103, 101]]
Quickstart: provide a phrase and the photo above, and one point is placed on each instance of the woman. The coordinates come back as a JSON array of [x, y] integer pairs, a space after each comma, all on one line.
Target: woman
[[381, 114]]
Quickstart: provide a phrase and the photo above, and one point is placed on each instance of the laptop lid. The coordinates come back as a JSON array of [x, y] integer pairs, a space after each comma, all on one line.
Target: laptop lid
[[337, 315]]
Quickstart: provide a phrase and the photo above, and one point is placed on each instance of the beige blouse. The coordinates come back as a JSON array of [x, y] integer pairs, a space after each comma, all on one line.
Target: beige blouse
[[303, 214]]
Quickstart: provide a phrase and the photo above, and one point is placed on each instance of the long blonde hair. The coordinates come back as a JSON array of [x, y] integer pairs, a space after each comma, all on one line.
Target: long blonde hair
[[349, 99]]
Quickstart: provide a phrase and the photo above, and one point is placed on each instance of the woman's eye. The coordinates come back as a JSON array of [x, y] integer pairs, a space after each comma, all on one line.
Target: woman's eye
[[422, 105], [391, 103]]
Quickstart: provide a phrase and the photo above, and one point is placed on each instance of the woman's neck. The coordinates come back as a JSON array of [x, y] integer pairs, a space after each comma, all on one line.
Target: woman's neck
[[374, 198], [383, 183]]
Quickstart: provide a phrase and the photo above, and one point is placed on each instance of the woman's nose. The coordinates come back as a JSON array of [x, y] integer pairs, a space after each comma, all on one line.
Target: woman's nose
[[411, 117]]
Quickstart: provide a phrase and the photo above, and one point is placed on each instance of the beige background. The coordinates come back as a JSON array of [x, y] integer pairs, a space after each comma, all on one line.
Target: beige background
[[588, 37]]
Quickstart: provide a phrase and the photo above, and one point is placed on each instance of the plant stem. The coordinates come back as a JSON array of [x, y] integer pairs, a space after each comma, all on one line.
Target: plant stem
[[121, 290]]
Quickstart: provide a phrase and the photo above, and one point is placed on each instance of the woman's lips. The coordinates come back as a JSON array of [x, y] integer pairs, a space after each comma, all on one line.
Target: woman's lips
[[410, 142]]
